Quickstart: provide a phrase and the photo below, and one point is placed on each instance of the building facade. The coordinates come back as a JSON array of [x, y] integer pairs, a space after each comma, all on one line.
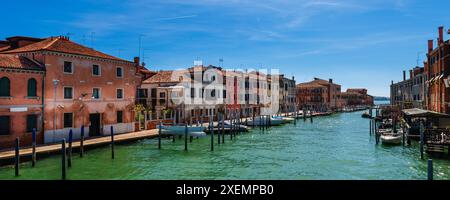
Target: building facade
[[81, 87], [21, 100]]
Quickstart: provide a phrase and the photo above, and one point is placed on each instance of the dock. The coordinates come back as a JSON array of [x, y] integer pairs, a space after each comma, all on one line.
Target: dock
[[56, 148]]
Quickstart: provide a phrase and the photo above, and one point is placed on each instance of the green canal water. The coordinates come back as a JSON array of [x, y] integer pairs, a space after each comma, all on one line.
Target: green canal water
[[333, 147]]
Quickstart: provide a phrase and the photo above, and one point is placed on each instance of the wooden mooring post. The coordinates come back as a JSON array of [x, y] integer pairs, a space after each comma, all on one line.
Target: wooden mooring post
[[211, 128], [159, 135], [69, 153], [223, 129], [63, 159], [421, 131], [430, 169], [370, 127], [33, 143], [112, 142], [185, 137], [219, 132], [82, 141], [17, 157]]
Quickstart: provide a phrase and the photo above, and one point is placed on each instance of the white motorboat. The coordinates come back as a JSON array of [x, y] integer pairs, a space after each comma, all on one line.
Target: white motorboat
[[227, 125], [196, 131], [391, 137], [264, 120], [285, 119]]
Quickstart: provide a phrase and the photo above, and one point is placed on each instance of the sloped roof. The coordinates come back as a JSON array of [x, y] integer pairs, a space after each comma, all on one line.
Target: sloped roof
[[18, 62], [310, 85], [416, 112], [163, 77], [63, 45]]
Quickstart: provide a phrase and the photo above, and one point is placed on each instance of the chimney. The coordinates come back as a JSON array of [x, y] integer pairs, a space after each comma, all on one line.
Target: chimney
[[330, 80], [430, 46], [136, 60], [404, 75], [293, 78], [411, 74], [441, 35]]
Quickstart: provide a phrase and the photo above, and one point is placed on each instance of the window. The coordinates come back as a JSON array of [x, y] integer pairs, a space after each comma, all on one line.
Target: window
[[96, 93], [119, 116], [4, 87], [68, 92], [224, 94], [119, 93], [95, 70], [119, 72], [162, 95], [32, 87], [68, 120], [4, 125], [31, 122], [68, 67], [192, 92]]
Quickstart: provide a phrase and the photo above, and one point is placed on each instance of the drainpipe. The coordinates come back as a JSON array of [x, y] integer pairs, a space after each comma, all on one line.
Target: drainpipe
[[43, 104]]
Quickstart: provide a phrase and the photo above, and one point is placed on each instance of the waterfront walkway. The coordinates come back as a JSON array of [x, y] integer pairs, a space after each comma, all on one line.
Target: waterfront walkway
[[53, 148]]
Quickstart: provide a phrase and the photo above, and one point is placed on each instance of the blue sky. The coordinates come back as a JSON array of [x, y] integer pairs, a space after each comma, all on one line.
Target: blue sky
[[357, 43]]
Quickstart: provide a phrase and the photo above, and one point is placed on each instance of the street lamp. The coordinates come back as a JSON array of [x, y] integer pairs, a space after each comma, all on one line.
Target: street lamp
[[55, 85]]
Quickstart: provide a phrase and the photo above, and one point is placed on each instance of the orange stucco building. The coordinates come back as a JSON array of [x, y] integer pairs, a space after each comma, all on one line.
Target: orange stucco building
[[81, 87]]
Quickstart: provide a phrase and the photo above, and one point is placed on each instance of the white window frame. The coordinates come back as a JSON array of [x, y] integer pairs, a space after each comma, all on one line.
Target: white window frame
[[73, 92], [99, 93], [73, 67], [99, 70], [123, 93], [123, 74]]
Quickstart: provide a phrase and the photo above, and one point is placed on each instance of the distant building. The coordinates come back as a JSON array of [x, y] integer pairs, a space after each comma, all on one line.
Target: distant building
[[317, 97], [356, 97]]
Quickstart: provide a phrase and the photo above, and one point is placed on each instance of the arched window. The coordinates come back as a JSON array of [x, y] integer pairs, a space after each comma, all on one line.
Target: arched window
[[32, 87], [4, 87]]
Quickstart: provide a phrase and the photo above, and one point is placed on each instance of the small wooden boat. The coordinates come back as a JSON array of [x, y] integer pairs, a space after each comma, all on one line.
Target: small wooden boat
[[285, 119], [366, 115]]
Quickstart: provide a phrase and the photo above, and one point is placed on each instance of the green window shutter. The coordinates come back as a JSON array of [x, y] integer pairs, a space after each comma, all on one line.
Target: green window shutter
[[4, 87], [32, 88]]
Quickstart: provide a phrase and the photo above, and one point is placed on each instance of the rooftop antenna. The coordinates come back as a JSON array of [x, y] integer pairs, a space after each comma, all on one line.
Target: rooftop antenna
[[221, 62], [140, 40], [84, 39], [418, 57], [92, 39], [69, 34]]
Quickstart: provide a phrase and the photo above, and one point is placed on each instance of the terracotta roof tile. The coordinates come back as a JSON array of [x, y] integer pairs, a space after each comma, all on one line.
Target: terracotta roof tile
[[61, 44], [311, 84], [18, 62], [163, 77]]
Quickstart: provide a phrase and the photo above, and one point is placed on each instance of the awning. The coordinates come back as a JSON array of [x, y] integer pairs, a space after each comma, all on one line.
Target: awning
[[417, 112]]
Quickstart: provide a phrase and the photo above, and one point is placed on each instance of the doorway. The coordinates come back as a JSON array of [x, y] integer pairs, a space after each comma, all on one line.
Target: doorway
[[94, 128]]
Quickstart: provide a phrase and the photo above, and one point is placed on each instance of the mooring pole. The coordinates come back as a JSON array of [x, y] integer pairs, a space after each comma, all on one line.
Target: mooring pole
[[82, 142], [421, 143], [430, 169], [33, 154], [63, 159], [370, 127], [219, 131], [159, 135], [223, 128], [17, 157], [69, 153], [185, 137], [211, 127], [112, 142]]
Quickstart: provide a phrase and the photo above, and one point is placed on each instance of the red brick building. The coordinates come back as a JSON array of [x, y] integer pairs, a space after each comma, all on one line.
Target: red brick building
[[323, 99], [81, 87], [438, 71], [21, 99]]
